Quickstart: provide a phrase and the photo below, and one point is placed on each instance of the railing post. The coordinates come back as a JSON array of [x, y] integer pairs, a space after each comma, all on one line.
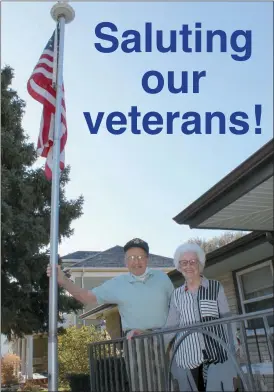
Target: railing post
[[164, 360], [268, 336], [243, 333], [92, 357]]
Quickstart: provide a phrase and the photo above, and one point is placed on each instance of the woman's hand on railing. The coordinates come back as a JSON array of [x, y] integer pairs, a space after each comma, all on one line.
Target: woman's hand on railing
[[133, 332]]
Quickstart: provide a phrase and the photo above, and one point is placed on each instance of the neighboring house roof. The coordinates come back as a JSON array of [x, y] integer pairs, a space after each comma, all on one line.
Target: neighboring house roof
[[114, 258], [243, 200], [79, 255]]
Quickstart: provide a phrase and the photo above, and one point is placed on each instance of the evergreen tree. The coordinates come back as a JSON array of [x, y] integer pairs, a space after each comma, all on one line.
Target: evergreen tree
[[25, 229]]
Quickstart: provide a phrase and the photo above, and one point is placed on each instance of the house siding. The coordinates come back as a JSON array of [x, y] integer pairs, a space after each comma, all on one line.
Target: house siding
[[228, 283], [259, 351]]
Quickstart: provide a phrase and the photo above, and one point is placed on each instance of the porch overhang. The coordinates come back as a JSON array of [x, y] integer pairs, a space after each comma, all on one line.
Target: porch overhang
[[98, 312], [243, 200]]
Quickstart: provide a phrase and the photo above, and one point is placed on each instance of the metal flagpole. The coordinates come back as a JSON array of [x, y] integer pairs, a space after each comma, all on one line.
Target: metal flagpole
[[62, 13]]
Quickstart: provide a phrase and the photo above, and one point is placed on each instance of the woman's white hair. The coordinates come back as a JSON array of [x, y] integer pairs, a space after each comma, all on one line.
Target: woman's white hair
[[189, 247]]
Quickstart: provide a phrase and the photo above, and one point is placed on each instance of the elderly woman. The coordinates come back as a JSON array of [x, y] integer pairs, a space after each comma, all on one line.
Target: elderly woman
[[199, 300]]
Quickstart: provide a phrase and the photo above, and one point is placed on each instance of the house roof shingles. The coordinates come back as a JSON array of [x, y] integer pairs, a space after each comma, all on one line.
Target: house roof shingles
[[80, 255], [114, 258]]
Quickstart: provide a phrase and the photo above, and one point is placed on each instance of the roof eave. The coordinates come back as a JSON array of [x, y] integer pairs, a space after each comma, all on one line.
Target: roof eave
[[260, 158]]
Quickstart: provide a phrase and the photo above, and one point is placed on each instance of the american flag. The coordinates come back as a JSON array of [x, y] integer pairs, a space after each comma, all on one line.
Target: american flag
[[41, 86]]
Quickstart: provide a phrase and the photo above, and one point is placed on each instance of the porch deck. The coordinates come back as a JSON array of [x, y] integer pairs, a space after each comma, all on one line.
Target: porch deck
[[147, 364]]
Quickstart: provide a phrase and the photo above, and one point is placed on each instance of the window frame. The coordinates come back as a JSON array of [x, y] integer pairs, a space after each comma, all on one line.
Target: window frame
[[244, 271]]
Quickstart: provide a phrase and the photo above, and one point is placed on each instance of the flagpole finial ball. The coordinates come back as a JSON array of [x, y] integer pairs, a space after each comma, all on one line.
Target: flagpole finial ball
[[62, 9]]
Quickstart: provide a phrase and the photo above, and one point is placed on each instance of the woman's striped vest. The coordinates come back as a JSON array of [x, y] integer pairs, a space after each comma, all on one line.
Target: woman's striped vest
[[190, 354]]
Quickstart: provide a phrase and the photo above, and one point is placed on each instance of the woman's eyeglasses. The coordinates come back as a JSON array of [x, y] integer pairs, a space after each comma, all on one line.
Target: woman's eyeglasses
[[184, 263]]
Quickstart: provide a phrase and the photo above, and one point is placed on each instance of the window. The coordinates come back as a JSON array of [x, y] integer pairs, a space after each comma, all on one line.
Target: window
[[256, 291]]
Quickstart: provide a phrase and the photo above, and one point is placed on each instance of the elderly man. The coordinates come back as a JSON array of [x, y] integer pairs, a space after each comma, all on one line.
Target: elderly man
[[142, 294]]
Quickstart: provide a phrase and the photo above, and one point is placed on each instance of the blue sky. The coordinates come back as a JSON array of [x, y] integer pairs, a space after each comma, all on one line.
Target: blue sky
[[134, 184]]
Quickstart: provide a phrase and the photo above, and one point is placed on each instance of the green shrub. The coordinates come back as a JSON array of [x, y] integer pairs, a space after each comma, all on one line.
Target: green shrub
[[73, 350]]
